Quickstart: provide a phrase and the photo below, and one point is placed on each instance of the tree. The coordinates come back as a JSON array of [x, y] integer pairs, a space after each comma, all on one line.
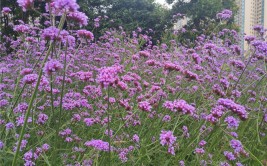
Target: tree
[[16, 14], [201, 11], [130, 14], [202, 16]]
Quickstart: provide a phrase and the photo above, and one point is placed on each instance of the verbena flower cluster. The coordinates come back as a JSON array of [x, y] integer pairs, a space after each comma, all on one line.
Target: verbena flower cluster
[[67, 98]]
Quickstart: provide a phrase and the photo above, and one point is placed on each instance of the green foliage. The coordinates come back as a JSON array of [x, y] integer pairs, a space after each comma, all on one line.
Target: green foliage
[[130, 14], [17, 14], [202, 18], [202, 11]]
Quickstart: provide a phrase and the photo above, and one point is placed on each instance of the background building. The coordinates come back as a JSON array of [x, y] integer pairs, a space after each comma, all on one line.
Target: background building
[[251, 13]]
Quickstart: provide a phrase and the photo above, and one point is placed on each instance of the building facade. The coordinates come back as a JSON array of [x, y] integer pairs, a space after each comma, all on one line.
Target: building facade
[[251, 13]]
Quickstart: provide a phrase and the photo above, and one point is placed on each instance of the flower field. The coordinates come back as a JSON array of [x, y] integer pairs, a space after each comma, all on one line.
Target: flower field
[[69, 99]]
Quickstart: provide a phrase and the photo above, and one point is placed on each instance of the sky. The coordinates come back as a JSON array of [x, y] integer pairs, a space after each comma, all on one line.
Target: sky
[[161, 1]]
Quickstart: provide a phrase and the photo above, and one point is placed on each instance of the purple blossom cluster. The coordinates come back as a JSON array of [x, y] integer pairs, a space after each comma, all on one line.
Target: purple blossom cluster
[[108, 76], [6, 10], [52, 66], [236, 108], [122, 96], [25, 4], [180, 106], [85, 34], [30, 157], [98, 145], [225, 14], [167, 138]]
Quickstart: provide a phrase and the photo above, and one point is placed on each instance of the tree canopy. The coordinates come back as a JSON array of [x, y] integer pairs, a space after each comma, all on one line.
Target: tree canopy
[[201, 12], [131, 14]]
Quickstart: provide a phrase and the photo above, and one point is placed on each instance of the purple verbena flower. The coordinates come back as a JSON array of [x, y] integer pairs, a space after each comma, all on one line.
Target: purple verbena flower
[[25, 4], [229, 155], [236, 145], [232, 122], [225, 14], [6, 10], [167, 138], [145, 106], [52, 66], [98, 145]]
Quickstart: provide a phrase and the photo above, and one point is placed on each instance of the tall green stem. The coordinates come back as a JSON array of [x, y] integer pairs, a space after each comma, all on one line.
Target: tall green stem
[[34, 95], [30, 107], [243, 71], [63, 87], [109, 132], [51, 95]]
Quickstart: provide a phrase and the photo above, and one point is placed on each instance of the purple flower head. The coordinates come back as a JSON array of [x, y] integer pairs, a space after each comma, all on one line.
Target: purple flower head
[[181, 163], [123, 156], [78, 17], [166, 118], [135, 138], [225, 14], [10, 125], [98, 145], [61, 6], [144, 54], [249, 38], [202, 143], [167, 138], [3, 103], [30, 156], [65, 132], [52, 66], [109, 133], [232, 122], [239, 164], [229, 155], [199, 151], [22, 146], [234, 134], [236, 145], [107, 76], [30, 78], [171, 150], [1, 145], [258, 28], [75, 100], [20, 120], [217, 111], [25, 4], [45, 147], [171, 66], [144, 106], [89, 121], [26, 71], [236, 108], [265, 118], [190, 75], [236, 93], [225, 83], [6, 10], [51, 33], [82, 33], [84, 76], [21, 28], [42, 118], [179, 105], [224, 164], [238, 64]]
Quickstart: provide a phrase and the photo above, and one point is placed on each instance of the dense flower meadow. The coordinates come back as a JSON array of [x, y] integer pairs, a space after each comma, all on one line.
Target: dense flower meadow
[[68, 99]]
